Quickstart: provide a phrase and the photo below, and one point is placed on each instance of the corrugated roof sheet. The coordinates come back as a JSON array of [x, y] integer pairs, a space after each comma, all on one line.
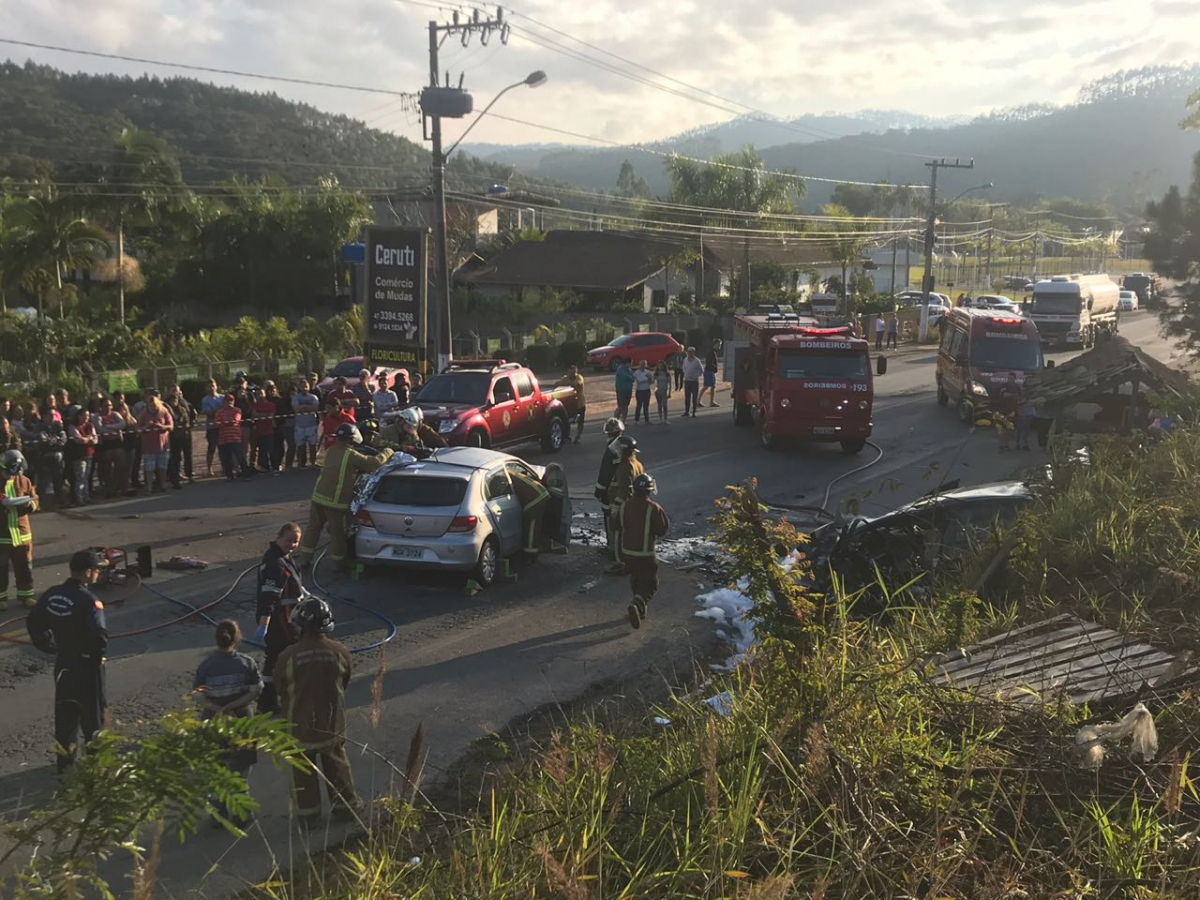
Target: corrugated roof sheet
[[1110, 363]]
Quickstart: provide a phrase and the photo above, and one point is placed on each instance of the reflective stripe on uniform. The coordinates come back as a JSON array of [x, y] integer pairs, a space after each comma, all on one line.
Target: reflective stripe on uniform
[[647, 537], [15, 538], [333, 502]]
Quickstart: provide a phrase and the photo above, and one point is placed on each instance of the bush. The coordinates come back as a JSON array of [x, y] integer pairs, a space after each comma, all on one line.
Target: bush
[[572, 353], [540, 357]]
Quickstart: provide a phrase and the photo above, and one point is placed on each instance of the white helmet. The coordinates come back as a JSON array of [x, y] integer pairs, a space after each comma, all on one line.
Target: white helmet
[[614, 426], [411, 416]]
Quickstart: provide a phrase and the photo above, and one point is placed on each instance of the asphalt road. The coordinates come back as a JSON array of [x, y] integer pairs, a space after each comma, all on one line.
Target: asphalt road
[[462, 665]]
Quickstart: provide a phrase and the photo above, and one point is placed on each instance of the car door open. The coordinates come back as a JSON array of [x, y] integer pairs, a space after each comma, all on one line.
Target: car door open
[[504, 510]]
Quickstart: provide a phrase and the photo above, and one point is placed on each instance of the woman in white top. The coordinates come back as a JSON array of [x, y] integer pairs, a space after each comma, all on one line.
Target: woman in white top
[[643, 381]]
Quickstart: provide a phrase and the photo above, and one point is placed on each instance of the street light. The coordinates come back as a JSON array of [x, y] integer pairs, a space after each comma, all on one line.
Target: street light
[[445, 341], [926, 283]]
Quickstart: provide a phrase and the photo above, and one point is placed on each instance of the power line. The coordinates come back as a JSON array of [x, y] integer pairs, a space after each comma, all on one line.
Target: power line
[[210, 69]]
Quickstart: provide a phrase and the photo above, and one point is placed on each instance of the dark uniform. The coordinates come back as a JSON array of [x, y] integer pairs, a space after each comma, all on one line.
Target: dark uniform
[[68, 621], [279, 589], [608, 467], [534, 497], [312, 678], [619, 491], [16, 540], [642, 522]]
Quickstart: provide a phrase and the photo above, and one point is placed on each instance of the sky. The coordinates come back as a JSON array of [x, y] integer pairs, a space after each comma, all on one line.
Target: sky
[[782, 57]]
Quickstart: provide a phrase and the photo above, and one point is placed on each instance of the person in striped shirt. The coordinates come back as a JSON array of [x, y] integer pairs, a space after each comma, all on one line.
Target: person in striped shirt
[[229, 439]]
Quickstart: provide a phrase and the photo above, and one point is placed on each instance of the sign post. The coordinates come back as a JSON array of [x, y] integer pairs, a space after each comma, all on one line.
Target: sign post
[[396, 292]]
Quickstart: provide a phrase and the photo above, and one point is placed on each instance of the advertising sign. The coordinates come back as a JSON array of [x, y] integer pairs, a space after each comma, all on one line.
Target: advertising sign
[[396, 292], [124, 380]]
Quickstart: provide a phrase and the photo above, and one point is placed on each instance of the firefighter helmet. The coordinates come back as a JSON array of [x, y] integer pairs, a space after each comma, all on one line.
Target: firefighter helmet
[[13, 462], [624, 446], [645, 484], [348, 432], [614, 427], [411, 416], [314, 616]]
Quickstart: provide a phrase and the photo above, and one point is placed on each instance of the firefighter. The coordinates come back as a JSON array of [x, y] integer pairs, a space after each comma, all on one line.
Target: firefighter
[[642, 522], [409, 432], [533, 496], [68, 621], [312, 676], [16, 540], [280, 588], [619, 490], [332, 494], [613, 429]]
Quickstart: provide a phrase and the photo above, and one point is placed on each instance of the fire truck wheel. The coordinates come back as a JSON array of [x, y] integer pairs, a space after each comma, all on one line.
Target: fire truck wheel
[[477, 438], [768, 440], [943, 397], [854, 446], [555, 436]]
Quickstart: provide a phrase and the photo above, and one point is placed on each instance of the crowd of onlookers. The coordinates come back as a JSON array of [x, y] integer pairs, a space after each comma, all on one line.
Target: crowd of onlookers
[[118, 444]]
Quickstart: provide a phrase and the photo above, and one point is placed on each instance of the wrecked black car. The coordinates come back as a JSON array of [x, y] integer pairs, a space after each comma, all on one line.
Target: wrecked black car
[[874, 558]]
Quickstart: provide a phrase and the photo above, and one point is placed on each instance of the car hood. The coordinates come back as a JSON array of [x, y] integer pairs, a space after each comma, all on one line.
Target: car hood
[[605, 349], [437, 412]]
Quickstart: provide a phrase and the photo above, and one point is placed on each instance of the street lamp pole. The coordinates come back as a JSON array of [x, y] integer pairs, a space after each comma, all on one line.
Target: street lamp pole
[[927, 282], [445, 332]]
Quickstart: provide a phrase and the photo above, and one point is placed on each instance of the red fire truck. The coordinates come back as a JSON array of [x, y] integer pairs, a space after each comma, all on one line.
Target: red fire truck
[[797, 377]]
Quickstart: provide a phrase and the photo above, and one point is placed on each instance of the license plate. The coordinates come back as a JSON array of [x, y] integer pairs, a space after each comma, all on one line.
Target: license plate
[[824, 429], [408, 552]]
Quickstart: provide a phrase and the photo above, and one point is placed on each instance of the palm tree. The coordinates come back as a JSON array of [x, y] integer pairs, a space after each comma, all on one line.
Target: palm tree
[[50, 235], [141, 179]]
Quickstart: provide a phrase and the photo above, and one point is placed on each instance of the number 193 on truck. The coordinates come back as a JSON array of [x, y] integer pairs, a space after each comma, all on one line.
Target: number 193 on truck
[[796, 378]]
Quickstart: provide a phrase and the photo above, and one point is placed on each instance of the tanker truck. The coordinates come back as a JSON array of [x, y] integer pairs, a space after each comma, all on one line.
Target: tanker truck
[[1071, 310]]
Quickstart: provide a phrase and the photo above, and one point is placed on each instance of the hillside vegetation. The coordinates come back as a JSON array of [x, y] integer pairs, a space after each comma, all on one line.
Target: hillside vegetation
[[1119, 142]]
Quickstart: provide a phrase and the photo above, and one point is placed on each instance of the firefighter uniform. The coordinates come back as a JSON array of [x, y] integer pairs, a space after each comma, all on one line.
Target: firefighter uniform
[[534, 497], [619, 491], [69, 621], [311, 677], [16, 540], [608, 467], [279, 589], [395, 436], [642, 522], [331, 500]]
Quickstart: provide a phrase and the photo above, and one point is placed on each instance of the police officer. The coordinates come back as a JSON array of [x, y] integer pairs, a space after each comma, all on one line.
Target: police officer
[[68, 621], [534, 497], [642, 522], [619, 491], [16, 538], [280, 588], [408, 432], [333, 492], [312, 677], [613, 429]]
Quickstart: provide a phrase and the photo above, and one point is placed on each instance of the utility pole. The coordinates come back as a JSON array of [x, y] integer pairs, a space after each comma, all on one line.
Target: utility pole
[[894, 240], [927, 282], [438, 31]]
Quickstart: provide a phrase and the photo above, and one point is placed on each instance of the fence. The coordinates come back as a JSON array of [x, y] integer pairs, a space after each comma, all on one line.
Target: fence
[[223, 371]]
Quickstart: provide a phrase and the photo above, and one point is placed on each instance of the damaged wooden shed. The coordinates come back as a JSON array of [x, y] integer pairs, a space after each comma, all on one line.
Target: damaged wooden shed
[[1100, 376]]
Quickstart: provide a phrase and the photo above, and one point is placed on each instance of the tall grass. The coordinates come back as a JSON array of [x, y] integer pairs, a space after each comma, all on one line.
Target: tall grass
[[842, 770]]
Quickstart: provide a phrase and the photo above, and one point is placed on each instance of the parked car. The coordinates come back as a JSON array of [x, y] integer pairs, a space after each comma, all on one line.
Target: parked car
[[493, 403], [1127, 301], [1017, 282], [998, 302], [911, 540], [913, 298], [349, 368], [453, 511], [652, 346]]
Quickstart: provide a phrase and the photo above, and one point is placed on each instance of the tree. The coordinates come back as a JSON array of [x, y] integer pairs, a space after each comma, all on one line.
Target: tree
[[1173, 245], [140, 179], [846, 246], [50, 235], [630, 183]]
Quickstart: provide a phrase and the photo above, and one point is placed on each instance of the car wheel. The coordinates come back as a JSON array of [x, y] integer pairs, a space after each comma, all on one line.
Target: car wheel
[[854, 446], [965, 413], [555, 436], [488, 564], [477, 438], [943, 397]]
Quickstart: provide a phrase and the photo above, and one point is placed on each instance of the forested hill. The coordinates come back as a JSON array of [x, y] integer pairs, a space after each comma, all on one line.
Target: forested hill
[[218, 132], [1119, 142]]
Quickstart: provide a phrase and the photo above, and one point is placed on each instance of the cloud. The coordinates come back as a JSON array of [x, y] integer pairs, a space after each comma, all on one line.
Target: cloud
[[786, 57]]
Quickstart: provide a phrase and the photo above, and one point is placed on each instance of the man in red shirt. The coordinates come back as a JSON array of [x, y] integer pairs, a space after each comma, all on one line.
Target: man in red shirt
[[229, 439], [264, 430]]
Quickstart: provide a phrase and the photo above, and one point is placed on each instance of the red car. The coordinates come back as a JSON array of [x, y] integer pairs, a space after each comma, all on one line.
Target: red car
[[652, 346], [349, 368]]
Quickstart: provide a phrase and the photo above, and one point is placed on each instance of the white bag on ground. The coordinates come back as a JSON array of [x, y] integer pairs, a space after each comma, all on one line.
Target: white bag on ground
[[1137, 725]]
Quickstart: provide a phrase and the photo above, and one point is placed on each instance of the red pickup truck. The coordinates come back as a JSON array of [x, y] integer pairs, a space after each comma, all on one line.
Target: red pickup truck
[[491, 403]]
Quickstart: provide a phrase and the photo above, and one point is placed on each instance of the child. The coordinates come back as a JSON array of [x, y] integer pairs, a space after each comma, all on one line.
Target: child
[[227, 683], [662, 390]]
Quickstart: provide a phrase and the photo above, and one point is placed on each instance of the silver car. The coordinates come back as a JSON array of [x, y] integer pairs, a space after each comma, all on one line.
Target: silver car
[[455, 511]]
